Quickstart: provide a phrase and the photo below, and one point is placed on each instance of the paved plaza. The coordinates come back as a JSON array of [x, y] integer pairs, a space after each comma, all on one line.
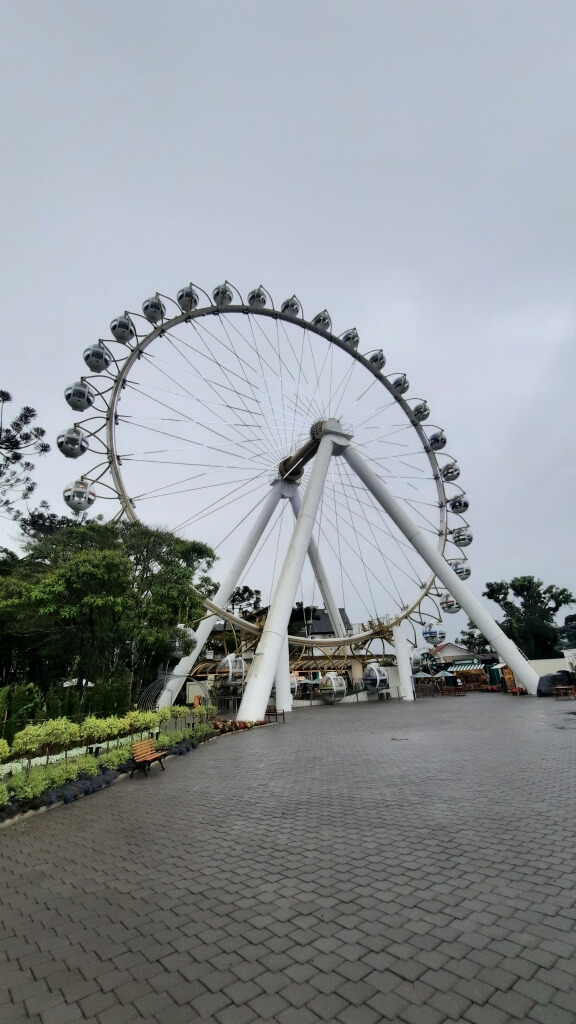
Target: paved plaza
[[362, 863]]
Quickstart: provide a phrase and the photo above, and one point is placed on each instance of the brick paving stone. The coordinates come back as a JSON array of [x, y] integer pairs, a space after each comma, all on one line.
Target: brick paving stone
[[513, 1003], [359, 1015], [551, 1015], [444, 890], [422, 1015]]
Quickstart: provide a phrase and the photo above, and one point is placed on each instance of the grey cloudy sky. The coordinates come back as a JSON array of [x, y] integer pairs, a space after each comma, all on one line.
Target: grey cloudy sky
[[410, 165]]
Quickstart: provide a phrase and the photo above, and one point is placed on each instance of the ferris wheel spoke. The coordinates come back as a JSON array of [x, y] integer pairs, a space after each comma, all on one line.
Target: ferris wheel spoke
[[178, 437], [190, 394], [230, 387], [430, 527], [254, 373], [377, 547], [292, 400], [351, 520], [327, 521], [309, 402], [219, 505], [374, 543], [382, 522]]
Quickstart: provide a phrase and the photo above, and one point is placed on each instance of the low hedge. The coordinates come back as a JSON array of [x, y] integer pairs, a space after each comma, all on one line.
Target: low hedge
[[66, 780]]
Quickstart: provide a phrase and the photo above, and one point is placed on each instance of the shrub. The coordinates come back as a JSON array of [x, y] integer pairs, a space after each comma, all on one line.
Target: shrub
[[4, 750], [4, 797], [114, 758]]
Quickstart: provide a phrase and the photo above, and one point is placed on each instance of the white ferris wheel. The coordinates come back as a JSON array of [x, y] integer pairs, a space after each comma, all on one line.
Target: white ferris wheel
[[290, 451]]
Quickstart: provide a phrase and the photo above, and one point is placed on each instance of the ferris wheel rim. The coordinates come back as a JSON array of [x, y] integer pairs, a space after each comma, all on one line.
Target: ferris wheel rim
[[141, 342]]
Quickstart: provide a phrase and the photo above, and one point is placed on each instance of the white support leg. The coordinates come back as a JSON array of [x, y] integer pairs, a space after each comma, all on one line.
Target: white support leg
[[505, 647], [177, 678], [283, 692], [406, 691], [259, 685], [321, 577]]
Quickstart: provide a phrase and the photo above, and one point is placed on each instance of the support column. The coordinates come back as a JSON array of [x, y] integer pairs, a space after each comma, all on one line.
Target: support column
[[482, 619], [259, 685], [321, 577], [283, 692], [177, 678], [406, 690]]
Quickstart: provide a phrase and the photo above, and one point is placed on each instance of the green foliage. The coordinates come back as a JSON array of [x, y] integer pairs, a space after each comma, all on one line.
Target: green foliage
[[97, 602], [164, 715], [3, 794], [28, 742], [19, 439], [94, 730], [473, 640], [4, 750], [529, 610], [167, 739], [567, 632], [114, 758]]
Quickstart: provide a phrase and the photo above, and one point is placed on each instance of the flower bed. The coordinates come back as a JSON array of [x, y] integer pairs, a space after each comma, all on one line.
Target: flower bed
[[43, 785]]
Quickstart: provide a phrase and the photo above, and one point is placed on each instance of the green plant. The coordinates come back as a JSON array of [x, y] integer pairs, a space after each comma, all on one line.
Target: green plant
[[28, 743], [168, 739], [93, 730], [114, 758], [4, 797], [4, 750]]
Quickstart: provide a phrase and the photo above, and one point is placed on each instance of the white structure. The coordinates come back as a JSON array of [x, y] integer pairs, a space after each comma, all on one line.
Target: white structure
[[254, 405]]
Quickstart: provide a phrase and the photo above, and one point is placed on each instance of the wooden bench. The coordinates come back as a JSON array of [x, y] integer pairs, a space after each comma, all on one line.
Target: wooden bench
[[272, 712], [144, 754]]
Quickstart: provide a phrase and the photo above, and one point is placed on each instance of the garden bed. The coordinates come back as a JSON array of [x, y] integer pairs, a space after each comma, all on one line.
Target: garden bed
[[44, 787]]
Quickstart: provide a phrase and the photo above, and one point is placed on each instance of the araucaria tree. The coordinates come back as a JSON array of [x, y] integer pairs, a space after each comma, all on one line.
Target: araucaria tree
[[99, 603], [530, 611], [19, 440]]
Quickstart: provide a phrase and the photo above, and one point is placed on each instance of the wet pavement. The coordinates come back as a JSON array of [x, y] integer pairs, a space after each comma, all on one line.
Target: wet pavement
[[362, 863]]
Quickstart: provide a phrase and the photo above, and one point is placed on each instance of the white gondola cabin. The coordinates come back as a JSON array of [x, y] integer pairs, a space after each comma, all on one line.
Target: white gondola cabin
[[437, 441], [421, 411], [291, 307], [351, 338], [323, 320], [401, 384], [97, 358], [332, 688], [462, 569], [459, 505], [462, 537], [375, 679], [121, 329], [450, 472], [449, 605], [430, 633], [79, 396], [72, 442], [79, 496], [222, 295], [154, 309], [187, 299], [257, 298]]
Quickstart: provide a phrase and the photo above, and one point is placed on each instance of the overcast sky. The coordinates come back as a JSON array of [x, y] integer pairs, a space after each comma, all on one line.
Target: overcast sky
[[409, 164]]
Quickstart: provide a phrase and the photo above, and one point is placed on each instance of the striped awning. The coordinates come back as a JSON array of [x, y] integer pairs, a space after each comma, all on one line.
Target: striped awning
[[468, 665]]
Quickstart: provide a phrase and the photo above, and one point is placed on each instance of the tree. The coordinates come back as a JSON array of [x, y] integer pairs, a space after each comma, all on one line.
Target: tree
[[18, 441], [530, 611], [473, 640], [100, 603], [567, 632], [245, 600]]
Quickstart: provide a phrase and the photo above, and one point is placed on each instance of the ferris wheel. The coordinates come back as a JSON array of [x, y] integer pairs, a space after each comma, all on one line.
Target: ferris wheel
[[290, 450]]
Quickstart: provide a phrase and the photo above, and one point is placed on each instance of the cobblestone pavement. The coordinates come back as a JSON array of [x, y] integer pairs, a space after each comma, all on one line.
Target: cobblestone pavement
[[362, 863]]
